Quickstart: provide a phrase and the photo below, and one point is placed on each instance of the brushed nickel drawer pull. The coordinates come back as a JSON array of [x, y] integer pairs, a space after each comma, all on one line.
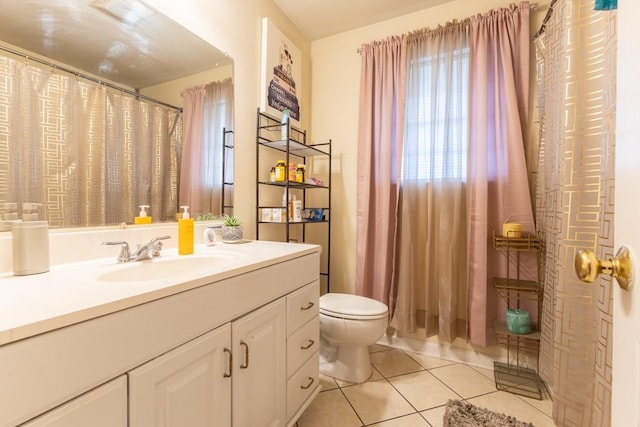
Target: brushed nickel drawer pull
[[227, 375], [308, 385], [246, 355], [308, 346], [308, 306]]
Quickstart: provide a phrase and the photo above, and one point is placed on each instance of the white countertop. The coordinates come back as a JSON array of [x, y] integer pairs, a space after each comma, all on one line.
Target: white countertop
[[73, 293]]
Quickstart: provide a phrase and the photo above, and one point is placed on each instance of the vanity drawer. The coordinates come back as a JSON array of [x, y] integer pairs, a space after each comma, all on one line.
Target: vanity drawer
[[303, 384], [302, 306], [302, 344]]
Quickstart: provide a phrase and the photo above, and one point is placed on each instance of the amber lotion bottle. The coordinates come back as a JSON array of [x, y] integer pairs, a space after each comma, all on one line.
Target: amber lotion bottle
[[185, 232]]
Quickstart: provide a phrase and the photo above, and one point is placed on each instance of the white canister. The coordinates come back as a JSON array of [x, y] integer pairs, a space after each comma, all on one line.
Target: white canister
[[212, 235], [30, 241]]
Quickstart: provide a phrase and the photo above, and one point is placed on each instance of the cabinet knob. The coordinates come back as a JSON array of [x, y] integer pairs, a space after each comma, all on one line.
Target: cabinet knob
[[588, 267]]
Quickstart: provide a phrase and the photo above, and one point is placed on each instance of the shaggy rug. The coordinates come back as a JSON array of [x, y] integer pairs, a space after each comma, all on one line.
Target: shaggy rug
[[462, 414]]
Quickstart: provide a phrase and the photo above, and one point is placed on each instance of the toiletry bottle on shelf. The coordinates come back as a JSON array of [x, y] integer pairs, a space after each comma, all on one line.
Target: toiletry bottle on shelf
[[292, 172], [281, 170], [300, 173], [142, 217], [285, 124], [185, 232], [30, 242]]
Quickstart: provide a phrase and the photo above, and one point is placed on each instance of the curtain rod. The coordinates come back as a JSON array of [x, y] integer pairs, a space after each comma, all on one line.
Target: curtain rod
[[532, 7], [88, 77]]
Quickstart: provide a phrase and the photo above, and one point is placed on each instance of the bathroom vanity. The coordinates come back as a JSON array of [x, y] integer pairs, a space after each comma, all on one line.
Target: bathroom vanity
[[227, 336]]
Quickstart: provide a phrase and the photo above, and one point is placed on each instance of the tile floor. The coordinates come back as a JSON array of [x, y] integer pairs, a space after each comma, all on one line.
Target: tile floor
[[409, 389]]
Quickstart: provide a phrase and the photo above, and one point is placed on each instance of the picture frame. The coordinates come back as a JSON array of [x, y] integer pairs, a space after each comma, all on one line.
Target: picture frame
[[281, 73]]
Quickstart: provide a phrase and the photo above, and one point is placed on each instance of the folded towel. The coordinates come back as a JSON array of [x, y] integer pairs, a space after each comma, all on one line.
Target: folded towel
[[605, 4]]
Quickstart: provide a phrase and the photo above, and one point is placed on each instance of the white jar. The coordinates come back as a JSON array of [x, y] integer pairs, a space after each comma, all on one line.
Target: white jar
[[30, 241]]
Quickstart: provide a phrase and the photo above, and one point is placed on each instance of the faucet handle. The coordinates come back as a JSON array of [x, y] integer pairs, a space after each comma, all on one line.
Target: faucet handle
[[155, 239], [125, 253]]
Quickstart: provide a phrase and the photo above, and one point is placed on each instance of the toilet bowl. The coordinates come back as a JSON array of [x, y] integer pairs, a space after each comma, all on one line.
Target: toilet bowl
[[349, 324]]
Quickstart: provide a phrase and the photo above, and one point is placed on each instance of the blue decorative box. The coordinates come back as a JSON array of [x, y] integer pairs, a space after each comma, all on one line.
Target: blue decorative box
[[518, 321]]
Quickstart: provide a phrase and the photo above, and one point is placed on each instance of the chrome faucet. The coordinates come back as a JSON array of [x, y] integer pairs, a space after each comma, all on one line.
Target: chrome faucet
[[147, 251]]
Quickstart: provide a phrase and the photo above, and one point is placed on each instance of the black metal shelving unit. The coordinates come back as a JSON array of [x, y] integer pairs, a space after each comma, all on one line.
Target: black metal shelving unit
[[227, 181], [292, 142], [515, 376]]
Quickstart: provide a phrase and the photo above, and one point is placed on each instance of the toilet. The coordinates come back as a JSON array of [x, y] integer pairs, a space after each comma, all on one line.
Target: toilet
[[349, 324]]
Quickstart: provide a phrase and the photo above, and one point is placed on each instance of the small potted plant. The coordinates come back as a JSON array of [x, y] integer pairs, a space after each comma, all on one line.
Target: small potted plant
[[231, 228]]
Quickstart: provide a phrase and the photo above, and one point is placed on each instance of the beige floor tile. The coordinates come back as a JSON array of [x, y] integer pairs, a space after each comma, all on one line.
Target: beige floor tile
[[434, 416], [486, 372], [377, 347], [327, 383], [394, 362], [377, 401], [511, 404], [545, 405], [329, 408], [375, 376], [429, 362], [423, 390], [413, 420], [464, 380]]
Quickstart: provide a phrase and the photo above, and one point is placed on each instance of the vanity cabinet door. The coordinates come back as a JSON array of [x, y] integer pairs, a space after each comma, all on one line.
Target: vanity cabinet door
[[104, 406], [188, 386], [259, 372]]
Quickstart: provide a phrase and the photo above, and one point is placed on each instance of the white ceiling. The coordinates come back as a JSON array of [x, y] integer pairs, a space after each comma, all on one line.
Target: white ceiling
[[124, 41], [317, 19]]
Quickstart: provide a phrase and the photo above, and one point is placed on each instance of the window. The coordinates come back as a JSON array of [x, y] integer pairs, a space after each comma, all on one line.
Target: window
[[436, 117]]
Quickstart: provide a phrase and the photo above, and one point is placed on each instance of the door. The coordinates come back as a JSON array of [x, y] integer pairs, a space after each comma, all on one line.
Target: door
[[188, 386], [626, 304], [259, 371]]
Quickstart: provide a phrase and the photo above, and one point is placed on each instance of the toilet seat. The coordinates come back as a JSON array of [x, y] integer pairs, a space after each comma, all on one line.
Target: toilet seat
[[352, 307]]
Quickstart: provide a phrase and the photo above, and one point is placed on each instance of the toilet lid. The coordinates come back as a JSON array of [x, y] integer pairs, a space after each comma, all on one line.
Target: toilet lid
[[348, 306]]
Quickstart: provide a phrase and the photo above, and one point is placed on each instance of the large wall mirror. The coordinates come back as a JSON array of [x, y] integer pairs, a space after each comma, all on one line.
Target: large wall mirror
[[91, 112]]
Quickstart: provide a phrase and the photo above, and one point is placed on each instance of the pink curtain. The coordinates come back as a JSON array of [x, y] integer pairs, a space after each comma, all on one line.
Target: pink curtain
[[191, 167], [207, 110], [382, 99], [498, 189]]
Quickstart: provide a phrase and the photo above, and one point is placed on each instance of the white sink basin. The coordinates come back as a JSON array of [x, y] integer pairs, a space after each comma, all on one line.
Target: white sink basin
[[163, 268]]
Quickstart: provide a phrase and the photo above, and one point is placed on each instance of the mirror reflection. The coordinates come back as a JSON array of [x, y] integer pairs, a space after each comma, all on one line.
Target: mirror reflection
[[95, 124]]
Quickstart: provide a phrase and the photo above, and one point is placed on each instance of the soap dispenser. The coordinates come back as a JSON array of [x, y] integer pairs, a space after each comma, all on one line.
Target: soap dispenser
[[8, 216], [185, 232], [30, 242], [142, 217]]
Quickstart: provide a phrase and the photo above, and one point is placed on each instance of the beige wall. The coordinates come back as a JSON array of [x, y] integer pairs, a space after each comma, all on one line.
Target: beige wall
[[234, 27], [335, 88], [331, 74]]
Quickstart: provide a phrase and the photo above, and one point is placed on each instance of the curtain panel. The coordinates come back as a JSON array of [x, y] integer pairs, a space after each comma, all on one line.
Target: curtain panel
[[426, 241], [498, 188], [575, 206], [380, 128], [207, 110], [88, 153], [431, 278]]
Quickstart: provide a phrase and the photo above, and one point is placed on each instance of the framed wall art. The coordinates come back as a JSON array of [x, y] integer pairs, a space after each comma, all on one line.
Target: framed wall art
[[281, 73]]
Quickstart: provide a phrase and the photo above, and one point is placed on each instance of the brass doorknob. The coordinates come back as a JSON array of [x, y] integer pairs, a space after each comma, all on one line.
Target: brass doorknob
[[588, 267]]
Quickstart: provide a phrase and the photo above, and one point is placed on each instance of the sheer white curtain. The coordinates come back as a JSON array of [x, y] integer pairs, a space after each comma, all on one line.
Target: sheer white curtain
[[432, 233], [207, 110]]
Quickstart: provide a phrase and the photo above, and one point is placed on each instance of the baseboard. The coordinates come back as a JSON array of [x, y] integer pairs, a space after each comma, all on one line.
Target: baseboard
[[457, 351]]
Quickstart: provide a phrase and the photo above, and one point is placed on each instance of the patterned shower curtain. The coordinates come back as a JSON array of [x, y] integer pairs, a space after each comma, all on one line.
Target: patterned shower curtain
[[576, 64], [88, 153]]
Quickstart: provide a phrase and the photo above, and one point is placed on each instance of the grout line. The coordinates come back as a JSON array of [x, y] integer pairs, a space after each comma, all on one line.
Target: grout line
[[352, 408]]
